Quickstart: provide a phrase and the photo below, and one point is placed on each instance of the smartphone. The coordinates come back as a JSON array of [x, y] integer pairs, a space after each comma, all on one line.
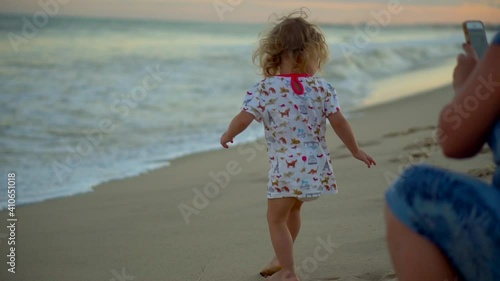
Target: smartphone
[[476, 36]]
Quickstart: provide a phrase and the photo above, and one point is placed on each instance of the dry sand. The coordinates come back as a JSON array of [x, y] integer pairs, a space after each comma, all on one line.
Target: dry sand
[[135, 227]]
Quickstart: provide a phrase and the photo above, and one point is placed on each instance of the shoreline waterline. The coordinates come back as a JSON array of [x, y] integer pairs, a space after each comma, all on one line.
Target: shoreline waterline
[[170, 162]]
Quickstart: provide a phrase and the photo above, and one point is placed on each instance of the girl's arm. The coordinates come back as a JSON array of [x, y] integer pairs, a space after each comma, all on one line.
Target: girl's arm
[[239, 123], [344, 131], [465, 123]]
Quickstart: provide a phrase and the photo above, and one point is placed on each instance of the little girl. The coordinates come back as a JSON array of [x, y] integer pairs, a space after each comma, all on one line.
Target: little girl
[[294, 106]]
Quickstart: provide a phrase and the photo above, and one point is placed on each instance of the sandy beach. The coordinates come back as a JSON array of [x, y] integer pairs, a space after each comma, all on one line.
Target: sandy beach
[[193, 222]]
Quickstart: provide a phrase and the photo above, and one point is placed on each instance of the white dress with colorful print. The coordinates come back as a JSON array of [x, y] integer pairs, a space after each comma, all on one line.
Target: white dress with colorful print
[[294, 116]]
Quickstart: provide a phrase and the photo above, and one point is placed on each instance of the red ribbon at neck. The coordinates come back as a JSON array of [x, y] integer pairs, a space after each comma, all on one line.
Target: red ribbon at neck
[[296, 82]]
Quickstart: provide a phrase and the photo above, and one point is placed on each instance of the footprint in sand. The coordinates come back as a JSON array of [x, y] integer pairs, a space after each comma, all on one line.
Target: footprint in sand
[[369, 143], [409, 131], [341, 156], [415, 156], [427, 142], [482, 172], [398, 160], [419, 154], [389, 276], [363, 144]]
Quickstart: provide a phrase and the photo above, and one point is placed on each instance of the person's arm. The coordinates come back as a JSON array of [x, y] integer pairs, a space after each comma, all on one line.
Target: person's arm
[[465, 123], [344, 132], [239, 123]]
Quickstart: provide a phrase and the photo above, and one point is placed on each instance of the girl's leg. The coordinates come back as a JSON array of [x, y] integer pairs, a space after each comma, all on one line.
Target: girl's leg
[[277, 217], [414, 257], [293, 223]]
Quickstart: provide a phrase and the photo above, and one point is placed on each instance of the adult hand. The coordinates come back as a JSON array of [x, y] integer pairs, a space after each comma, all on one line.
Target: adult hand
[[465, 65]]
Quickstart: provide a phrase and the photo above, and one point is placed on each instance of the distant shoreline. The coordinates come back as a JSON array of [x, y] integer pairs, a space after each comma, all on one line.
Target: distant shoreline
[[451, 25]]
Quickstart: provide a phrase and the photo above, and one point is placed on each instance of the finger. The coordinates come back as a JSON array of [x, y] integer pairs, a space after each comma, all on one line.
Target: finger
[[469, 51], [372, 160], [224, 145], [461, 58]]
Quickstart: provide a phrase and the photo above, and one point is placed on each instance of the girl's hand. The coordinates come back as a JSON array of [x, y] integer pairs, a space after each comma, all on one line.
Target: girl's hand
[[465, 65], [361, 155], [239, 123], [224, 140]]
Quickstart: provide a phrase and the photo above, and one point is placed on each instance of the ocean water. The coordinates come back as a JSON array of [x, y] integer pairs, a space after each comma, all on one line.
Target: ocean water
[[86, 101]]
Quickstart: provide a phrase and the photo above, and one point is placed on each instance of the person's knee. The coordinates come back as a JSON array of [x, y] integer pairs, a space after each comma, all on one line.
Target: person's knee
[[274, 219]]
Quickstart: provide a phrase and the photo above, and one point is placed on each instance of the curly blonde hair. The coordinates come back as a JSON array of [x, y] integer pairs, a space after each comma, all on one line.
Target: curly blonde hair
[[291, 37]]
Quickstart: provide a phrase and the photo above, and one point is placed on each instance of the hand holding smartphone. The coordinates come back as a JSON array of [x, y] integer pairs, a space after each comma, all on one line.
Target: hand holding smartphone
[[475, 35]]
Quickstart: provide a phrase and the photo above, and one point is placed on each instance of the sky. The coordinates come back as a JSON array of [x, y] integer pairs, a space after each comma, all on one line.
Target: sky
[[325, 11]]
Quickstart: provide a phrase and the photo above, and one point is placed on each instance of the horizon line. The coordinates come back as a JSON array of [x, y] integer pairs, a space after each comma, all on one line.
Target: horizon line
[[488, 25]]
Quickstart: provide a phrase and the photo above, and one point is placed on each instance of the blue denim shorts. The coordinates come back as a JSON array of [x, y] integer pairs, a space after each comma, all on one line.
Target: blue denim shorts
[[459, 214]]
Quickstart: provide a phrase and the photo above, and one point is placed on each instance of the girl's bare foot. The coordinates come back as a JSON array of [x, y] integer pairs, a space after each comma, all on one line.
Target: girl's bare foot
[[271, 268], [283, 275]]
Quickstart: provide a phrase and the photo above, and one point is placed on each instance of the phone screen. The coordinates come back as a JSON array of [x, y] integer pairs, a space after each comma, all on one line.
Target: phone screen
[[477, 38]]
